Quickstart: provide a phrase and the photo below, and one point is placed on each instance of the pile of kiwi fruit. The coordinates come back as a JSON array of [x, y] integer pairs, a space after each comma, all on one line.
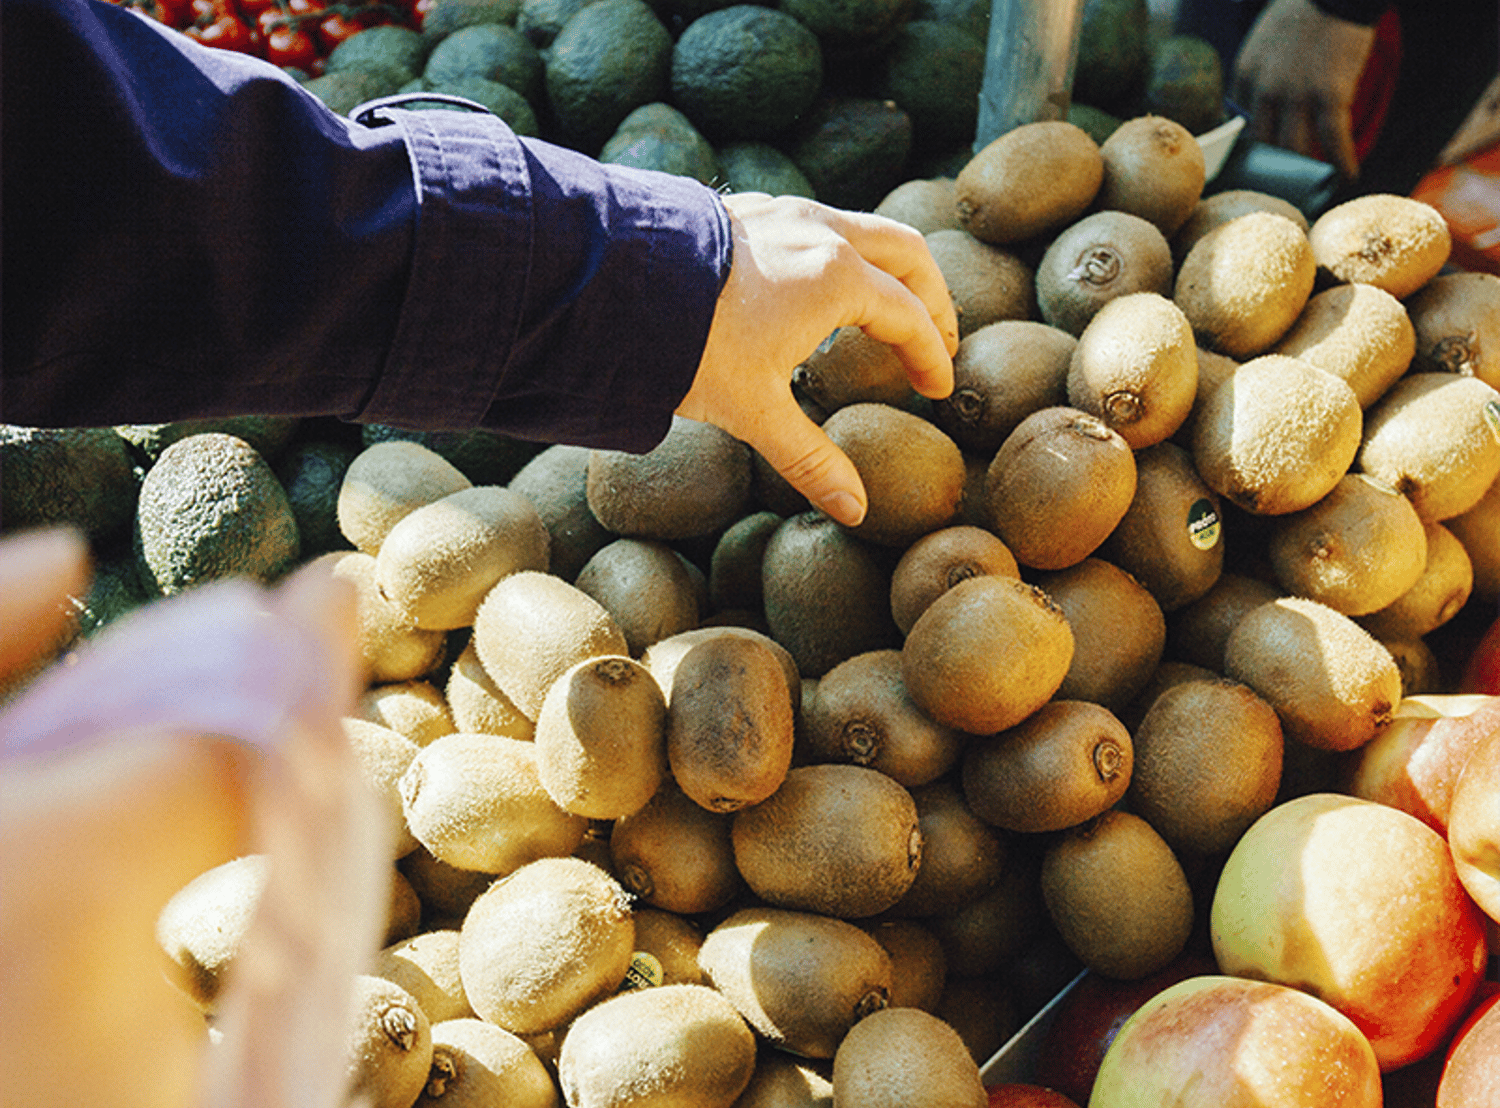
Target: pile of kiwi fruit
[[690, 781]]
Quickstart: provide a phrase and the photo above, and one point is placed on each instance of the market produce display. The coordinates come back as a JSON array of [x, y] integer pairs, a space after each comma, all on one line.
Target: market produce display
[[1161, 652]]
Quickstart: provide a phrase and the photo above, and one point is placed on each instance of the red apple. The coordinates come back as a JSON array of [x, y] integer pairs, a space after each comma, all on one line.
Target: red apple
[[1474, 826], [1017, 1095], [1471, 1070]]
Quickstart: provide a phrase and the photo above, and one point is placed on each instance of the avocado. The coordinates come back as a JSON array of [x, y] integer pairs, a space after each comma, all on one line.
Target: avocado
[[1185, 82], [500, 99], [494, 51], [609, 59], [388, 46], [1113, 54], [658, 136], [443, 17], [77, 475], [760, 167], [853, 150], [934, 72]]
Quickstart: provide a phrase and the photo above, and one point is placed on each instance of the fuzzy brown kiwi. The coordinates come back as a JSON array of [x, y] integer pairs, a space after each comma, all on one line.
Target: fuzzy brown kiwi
[[926, 203], [1168, 674], [445, 891], [645, 587], [387, 1045], [1479, 531], [784, 1080], [1332, 684], [1221, 207], [1093, 261], [986, 654], [202, 926], [962, 856], [666, 949], [986, 282], [1119, 631], [1435, 438], [1456, 317], [696, 481], [1358, 332], [675, 854], [918, 967], [390, 647], [556, 483], [989, 933], [1136, 368], [1153, 168], [664, 656], [850, 367], [1058, 486], [984, 1012], [1356, 550], [1197, 632], [837, 839], [1002, 373], [1244, 283], [827, 593], [913, 473], [1118, 895], [861, 714], [383, 756], [417, 709], [1396, 243], [1213, 370], [1421, 671], [476, 702], [426, 966], [385, 482], [1439, 594], [1277, 435], [937, 561], [1064, 764], [677, 1046], [1035, 178], [1171, 537], [544, 943], [475, 1063], [734, 568], [800, 979], [906, 1058], [1207, 764]]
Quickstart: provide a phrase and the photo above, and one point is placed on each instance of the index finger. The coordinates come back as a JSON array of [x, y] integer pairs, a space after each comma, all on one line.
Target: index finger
[[902, 252]]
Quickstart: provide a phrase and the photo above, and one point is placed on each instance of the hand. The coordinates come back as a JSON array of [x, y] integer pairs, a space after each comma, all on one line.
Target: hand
[[1296, 74], [800, 271]]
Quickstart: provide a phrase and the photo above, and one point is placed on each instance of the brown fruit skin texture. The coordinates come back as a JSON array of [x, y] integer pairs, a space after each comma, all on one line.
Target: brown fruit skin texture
[[906, 1058], [986, 283], [1057, 487], [676, 854], [1309, 898], [937, 561], [1358, 332], [1470, 1076], [1456, 318], [962, 857], [986, 654], [849, 367], [1474, 826], [1199, 632], [1002, 373], [1030, 180], [1100, 257], [1395, 243], [1224, 1042], [386, 482], [1153, 168], [1440, 593], [1244, 283], [1119, 632], [388, 1045], [1218, 209], [694, 482]]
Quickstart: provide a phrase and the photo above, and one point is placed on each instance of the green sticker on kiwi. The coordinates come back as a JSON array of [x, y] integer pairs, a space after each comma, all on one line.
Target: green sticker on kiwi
[[1203, 525], [1492, 416], [644, 972]]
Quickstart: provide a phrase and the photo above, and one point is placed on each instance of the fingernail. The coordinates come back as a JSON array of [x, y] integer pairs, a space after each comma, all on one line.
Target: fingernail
[[843, 507]]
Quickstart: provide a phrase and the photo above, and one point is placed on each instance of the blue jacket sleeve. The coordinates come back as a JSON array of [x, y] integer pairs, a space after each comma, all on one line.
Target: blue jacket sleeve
[[186, 232]]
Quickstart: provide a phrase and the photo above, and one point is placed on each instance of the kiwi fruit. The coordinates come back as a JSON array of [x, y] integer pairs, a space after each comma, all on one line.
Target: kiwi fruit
[[1168, 674], [438, 561], [1244, 283], [1440, 593], [426, 966], [735, 565], [417, 709], [1421, 671], [1207, 764], [800, 979], [383, 756], [1102, 256], [926, 203], [729, 723], [544, 943], [783, 1080], [941, 559], [556, 482], [1213, 370], [986, 282], [861, 714], [601, 738], [1356, 550], [391, 649], [202, 927], [987, 934], [445, 891], [1220, 207], [675, 854], [1478, 529], [1170, 539], [1277, 436], [962, 856], [666, 948], [387, 1044], [986, 654], [1136, 368], [532, 627], [1358, 332], [676, 1046], [1058, 486], [1002, 373], [1396, 243], [476, 1063], [1064, 764], [476, 702], [388, 480], [827, 593], [918, 967], [646, 588], [850, 367], [663, 657], [1198, 632], [912, 472], [1153, 168], [1435, 438], [1119, 631], [477, 802], [1330, 681], [1118, 895], [1456, 318], [906, 1058], [837, 839], [983, 1011], [1033, 179], [696, 481]]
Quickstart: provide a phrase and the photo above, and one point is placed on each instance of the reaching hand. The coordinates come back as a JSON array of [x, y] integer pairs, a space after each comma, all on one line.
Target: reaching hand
[[800, 271], [1296, 74]]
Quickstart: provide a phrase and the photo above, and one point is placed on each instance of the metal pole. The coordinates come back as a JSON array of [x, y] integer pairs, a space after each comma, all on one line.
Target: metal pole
[[1028, 69]]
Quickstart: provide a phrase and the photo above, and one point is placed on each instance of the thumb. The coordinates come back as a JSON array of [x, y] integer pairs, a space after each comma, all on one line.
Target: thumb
[[799, 450]]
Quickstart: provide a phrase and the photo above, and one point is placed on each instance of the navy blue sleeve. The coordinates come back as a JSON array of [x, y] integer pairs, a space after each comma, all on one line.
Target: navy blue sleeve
[[186, 232]]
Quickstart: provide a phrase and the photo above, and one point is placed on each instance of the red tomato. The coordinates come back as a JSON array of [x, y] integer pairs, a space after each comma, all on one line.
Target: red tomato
[[289, 45], [227, 32], [1482, 673], [334, 28], [419, 11]]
